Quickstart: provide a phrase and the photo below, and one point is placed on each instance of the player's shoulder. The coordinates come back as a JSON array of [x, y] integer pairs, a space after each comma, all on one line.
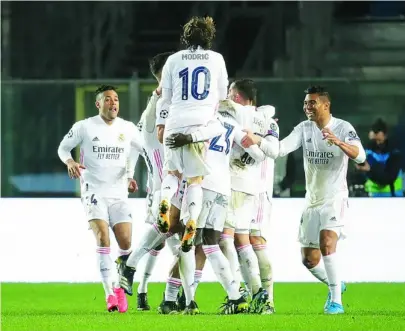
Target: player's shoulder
[[88, 121], [267, 110], [340, 123], [305, 125], [126, 125]]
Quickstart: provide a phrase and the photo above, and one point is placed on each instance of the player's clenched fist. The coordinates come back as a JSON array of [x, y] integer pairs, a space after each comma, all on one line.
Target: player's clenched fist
[[74, 168], [132, 185]]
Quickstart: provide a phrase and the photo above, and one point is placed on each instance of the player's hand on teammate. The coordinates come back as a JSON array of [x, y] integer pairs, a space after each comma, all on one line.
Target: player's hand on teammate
[[329, 136], [177, 140], [132, 185], [74, 169], [250, 139]]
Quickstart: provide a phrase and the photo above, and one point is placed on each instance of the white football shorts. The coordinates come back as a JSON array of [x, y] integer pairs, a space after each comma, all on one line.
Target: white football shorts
[[189, 160], [262, 214], [240, 212], [213, 212], [327, 216], [111, 210]]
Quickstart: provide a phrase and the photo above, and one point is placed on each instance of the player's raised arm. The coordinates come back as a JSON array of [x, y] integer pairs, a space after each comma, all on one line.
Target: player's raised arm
[[149, 119], [166, 84], [292, 142], [350, 145], [72, 139], [162, 112]]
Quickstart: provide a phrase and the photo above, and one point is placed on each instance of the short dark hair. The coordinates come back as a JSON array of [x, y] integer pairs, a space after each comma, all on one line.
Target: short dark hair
[[320, 90], [246, 88], [157, 62], [199, 31], [379, 126], [104, 88]]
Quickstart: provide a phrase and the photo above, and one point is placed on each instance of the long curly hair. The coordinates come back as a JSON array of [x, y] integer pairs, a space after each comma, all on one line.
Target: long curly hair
[[199, 31]]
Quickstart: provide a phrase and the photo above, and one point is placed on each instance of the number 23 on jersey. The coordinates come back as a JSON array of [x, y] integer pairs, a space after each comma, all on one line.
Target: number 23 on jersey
[[196, 75], [215, 146]]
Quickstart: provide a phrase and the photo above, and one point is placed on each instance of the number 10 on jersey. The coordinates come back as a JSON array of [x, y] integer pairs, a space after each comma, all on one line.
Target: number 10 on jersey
[[198, 73]]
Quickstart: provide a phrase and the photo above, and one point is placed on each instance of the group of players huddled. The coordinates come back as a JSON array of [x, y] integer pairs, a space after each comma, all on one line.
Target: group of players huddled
[[210, 155]]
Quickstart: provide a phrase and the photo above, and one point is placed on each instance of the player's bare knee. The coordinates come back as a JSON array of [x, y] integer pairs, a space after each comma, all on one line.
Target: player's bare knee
[[241, 239], [310, 257], [327, 242], [257, 240], [101, 232], [123, 235]]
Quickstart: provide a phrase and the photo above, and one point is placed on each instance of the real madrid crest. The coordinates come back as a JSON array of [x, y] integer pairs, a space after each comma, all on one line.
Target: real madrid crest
[[121, 137]]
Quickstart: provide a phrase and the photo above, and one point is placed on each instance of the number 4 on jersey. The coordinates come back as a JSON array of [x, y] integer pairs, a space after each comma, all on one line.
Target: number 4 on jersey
[[194, 83], [214, 146]]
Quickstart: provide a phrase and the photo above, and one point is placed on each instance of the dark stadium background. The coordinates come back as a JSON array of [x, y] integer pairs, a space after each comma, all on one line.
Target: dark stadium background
[[54, 54]]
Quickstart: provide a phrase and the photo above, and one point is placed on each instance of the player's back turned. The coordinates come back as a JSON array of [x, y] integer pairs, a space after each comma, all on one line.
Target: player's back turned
[[194, 79]]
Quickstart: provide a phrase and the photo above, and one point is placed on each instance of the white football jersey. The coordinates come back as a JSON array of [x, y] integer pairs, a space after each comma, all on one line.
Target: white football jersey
[[247, 175], [325, 164], [218, 157], [197, 80], [105, 151], [219, 153], [153, 149]]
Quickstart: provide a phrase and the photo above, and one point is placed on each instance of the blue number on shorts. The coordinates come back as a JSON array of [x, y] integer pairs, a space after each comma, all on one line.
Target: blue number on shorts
[[194, 83], [93, 200], [218, 148]]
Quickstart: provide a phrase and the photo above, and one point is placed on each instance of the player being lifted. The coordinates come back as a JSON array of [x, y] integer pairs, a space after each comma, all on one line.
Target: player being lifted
[[193, 81], [109, 149], [327, 143]]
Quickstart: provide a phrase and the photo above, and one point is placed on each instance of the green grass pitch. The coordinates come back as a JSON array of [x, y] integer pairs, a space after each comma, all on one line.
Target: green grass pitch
[[37, 307]]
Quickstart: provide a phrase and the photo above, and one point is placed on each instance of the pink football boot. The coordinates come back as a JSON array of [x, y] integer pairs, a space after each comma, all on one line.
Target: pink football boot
[[122, 300], [112, 303]]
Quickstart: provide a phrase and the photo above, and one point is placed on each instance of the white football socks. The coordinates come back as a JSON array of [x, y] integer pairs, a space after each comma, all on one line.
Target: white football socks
[[335, 286], [151, 258], [266, 272], [106, 269], [221, 268]]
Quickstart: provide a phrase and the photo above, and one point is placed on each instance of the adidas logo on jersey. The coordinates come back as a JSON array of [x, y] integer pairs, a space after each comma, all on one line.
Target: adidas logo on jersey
[[309, 140], [96, 139]]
